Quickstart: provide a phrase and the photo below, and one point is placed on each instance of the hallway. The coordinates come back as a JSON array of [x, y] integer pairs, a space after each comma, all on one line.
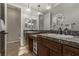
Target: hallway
[[14, 49]]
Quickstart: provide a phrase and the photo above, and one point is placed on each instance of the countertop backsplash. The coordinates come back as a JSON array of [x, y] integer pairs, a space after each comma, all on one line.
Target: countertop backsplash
[[74, 33]]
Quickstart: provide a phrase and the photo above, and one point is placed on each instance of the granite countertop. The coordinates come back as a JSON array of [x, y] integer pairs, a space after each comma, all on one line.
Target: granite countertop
[[35, 35], [38, 31], [31, 32], [65, 39]]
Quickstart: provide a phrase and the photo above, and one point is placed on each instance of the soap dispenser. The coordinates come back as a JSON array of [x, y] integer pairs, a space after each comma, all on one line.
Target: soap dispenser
[[59, 30], [66, 30]]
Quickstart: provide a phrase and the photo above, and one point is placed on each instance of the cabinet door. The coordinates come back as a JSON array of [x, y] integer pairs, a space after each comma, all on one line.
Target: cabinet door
[[30, 43], [70, 51], [42, 50], [54, 53], [54, 46]]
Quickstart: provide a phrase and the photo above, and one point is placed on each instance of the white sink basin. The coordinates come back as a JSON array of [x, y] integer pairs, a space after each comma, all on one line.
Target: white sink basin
[[61, 36], [67, 36]]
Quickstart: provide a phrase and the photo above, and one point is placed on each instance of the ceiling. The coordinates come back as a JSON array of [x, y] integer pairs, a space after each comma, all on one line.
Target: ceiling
[[42, 7]]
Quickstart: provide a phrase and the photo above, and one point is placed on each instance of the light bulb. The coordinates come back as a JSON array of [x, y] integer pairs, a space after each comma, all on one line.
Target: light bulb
[[39, 13], [28, 9], [48, 7]]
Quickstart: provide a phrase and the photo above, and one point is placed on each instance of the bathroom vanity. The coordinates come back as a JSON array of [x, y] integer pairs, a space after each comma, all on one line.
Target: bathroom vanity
[[31, 37], [55, 45], [58, 45]]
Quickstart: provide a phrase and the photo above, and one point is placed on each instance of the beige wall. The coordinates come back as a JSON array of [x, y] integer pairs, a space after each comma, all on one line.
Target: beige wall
[[0, 10]]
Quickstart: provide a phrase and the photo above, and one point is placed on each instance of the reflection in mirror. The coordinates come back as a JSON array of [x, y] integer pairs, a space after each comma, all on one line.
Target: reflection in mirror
[[73, 25], [34, 26], [58, 21], [59, 18], [30, 24]]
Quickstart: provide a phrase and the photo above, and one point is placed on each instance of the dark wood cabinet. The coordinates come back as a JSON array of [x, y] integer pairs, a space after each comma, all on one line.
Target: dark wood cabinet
[[70, 51], [42, 50], [54, 53], [49, 47], [30, 43]]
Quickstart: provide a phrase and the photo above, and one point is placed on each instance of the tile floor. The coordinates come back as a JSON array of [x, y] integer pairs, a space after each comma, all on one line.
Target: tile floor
[[14, 49]]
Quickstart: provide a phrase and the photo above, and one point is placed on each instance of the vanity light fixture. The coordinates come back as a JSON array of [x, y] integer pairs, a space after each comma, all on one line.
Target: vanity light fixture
[[28, 9], [39, 13], [48, 7]]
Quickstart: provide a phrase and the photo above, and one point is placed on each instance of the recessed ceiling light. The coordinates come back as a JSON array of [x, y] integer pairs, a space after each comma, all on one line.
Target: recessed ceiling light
[[48, 7]]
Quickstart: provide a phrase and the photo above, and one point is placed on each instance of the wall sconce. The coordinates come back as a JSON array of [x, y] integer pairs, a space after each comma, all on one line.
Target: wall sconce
[[48, 7]]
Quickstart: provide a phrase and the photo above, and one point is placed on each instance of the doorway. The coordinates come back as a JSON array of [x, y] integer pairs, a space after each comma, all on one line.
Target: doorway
[[2, 32], [13, 29]]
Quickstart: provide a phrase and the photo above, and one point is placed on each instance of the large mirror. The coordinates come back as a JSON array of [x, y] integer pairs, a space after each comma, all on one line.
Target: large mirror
[[66, 14], [30, 24], [57, 21]]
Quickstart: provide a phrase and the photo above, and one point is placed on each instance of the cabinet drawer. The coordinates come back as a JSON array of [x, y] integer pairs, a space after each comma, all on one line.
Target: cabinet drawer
[[42, 50], [52, 45], [54, 53]]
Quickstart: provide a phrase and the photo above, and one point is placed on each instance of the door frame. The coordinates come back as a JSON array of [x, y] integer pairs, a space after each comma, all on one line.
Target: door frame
[[6, 36]]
